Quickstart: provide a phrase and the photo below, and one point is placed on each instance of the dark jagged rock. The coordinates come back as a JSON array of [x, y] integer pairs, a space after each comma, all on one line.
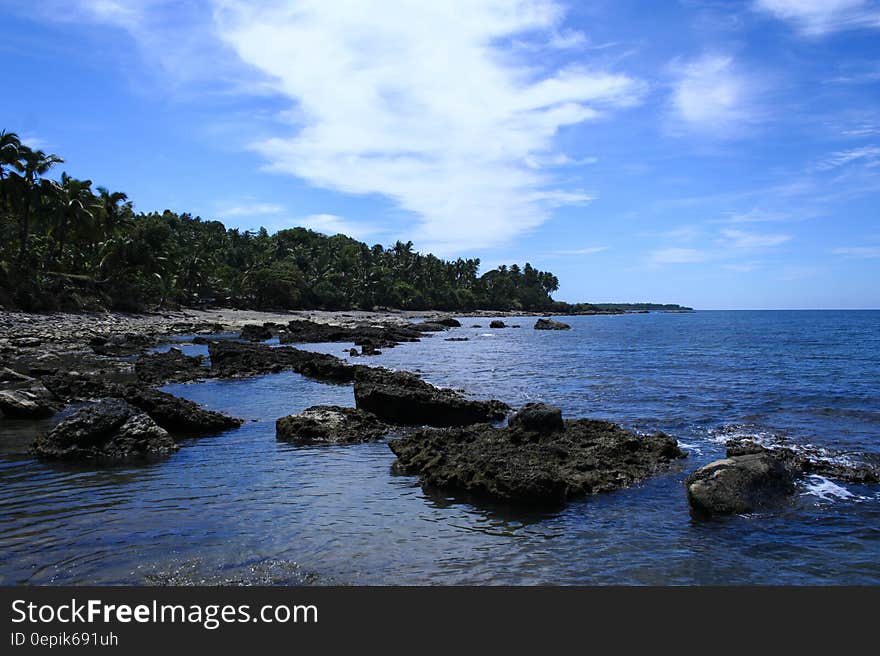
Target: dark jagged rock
[[497, 324], [429, 327], [457, 339], [235, 359], [549, 324], [172, 413], [178, 415], [538, 417], [371, 335], [170, 366], [811, 460], [110, 430], [256, 333], [517, 465], [448, 322], [121, 344], [322, 424], [741, 484], [403, 398], [34, 402]]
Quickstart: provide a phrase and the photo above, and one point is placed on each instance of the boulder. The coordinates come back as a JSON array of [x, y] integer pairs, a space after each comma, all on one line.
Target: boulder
[[549, 324], [512, 464], [255, 332], [449, 322], [170, 366], [236, 359], [741, 483], [108, 431], [497, 324], [429, 327], [538, 417], [178, 415], [35, 402], [322, 424], [403, 398]]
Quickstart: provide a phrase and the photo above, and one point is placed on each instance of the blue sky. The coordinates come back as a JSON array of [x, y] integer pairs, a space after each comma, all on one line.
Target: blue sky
[[715, 154]]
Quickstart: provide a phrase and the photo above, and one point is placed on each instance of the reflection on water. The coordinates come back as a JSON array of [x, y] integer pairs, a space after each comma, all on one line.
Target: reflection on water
[[243, 508]]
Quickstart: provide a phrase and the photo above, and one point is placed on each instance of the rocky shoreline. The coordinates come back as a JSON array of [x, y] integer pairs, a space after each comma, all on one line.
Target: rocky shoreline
[[450, 441]]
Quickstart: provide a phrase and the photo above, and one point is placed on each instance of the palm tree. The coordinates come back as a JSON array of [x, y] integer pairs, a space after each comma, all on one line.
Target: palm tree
[[33, 164], [10, 151]]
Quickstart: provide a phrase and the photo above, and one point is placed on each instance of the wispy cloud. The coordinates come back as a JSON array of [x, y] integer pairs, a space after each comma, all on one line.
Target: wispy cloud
[[742, 239], [247, 209], [858, 252], [423, 104], [590, 250], [819, 17], [712, 96], [869, 155], [677, 256]]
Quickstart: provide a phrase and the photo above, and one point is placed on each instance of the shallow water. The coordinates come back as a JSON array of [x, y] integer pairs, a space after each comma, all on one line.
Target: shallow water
[[243, 508]]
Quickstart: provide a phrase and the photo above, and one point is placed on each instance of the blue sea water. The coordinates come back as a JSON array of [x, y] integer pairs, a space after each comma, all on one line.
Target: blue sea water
[[241, 507]]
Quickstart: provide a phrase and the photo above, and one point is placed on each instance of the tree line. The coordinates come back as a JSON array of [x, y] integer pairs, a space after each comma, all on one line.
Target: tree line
[[66, 244]]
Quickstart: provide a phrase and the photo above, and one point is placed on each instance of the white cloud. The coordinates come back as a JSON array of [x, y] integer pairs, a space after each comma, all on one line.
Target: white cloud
[[246, 209], [858, 252], [870, 155], [590, 250], [420, 103], [742, 239], [713, 97], [818, 17], [677, 256], [330, 224]]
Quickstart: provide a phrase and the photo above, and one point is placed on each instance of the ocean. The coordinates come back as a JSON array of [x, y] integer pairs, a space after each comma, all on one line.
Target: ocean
[[243, 508]]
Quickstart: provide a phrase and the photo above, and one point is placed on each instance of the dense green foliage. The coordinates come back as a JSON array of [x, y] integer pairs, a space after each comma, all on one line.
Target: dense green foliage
[[65, 244]]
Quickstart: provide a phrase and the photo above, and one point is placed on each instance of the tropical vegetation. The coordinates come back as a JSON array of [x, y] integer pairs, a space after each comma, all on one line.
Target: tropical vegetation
[[66, 244]]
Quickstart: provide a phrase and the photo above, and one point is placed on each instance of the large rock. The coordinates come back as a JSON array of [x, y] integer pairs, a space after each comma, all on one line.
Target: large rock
[[177, 415], [170, 366], [322, 424], [375, 336], [235, 359], [110, 430], [174, 414], [538, 417], [256, 332], [34, 402], [429, 327], [741, 484], [517, 465], [449, 322], [497, 323], [549, 324], [403, 398]]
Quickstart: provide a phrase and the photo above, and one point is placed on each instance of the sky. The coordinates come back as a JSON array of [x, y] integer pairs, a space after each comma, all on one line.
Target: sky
[[717, 154]]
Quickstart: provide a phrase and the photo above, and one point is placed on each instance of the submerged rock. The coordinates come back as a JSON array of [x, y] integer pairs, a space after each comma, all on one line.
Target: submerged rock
[[549, 466], [170, 366], [741, 484], [549, 324], [34, 402], [323, 424], [403, 398], [110, 430]]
